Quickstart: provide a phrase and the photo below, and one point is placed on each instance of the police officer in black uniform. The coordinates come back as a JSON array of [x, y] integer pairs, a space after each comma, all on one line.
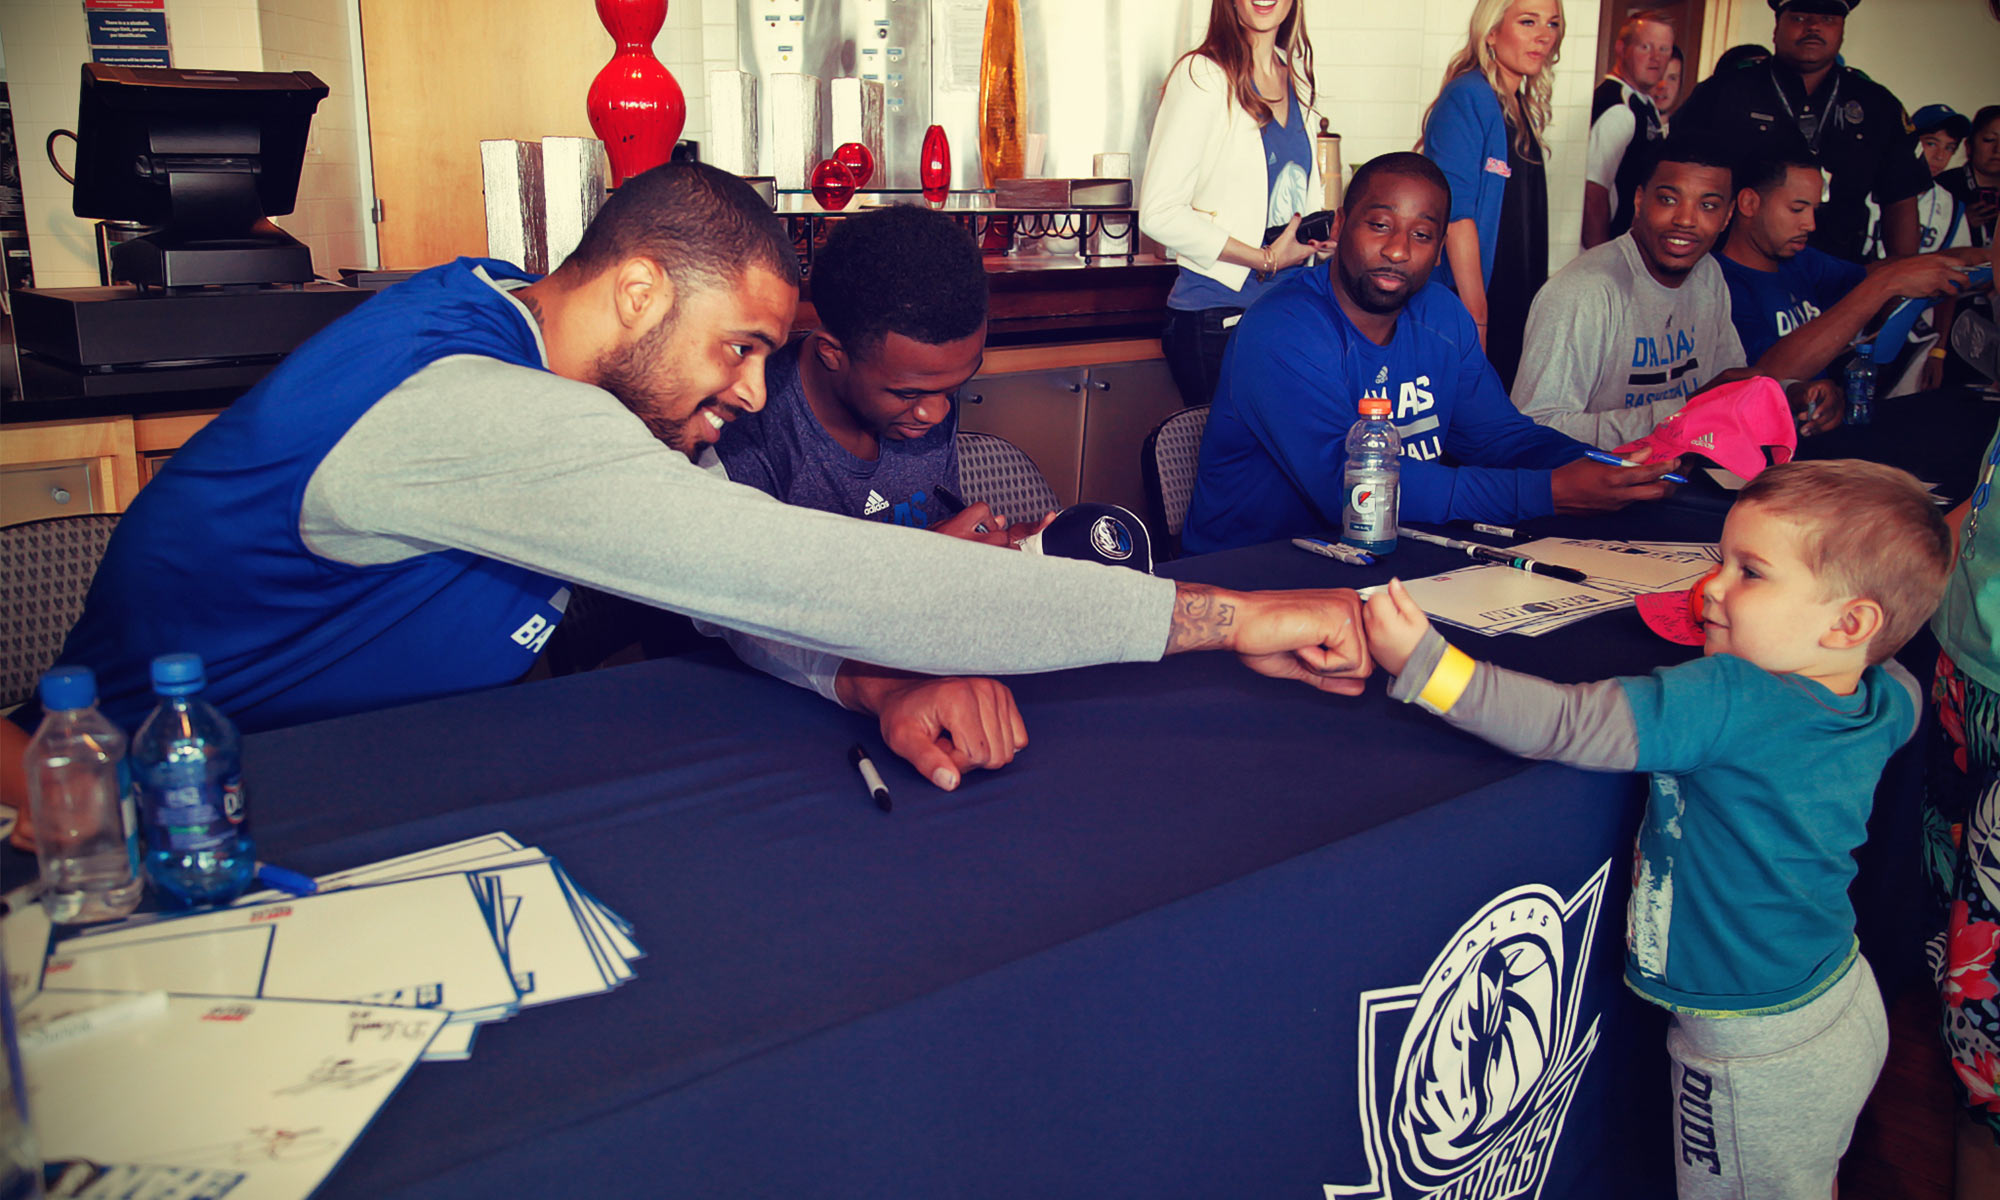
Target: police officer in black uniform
[[1801, 101]]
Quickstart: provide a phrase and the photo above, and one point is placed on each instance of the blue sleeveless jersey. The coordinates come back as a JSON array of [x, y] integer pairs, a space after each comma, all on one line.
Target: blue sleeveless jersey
[[209, 557]]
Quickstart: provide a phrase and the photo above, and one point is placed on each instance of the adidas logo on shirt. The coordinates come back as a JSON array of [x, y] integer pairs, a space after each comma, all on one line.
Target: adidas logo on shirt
[[875, 503], [1705, 442], [1382, 376]]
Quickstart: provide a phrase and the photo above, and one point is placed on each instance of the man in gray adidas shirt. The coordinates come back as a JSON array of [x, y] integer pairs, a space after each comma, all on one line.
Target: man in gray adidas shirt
[[1622, 337], [580, 469]]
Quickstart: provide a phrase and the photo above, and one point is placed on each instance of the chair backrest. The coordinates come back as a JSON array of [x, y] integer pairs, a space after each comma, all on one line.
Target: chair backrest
[[995, 470], [1167, 461], [45, 569]]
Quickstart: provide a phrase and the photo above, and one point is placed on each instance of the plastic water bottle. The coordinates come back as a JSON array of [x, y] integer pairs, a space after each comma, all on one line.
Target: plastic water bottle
[[186, 758], [80, 803], [1860, 388], [1373, 478]]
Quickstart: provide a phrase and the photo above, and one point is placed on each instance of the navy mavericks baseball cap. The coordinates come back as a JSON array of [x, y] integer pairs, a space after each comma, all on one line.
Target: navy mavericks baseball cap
[[1933, 117], [1100, 533]]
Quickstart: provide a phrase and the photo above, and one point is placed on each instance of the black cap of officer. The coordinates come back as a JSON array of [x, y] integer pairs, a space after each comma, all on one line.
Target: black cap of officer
[[1831, 8]]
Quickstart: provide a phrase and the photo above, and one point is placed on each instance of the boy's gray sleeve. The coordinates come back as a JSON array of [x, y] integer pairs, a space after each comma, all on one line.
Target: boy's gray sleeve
[[1586, 725]]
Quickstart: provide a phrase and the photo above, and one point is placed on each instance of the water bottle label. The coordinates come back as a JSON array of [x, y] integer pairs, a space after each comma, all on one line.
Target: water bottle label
[[232, 799], [192, 818], [128, 804]]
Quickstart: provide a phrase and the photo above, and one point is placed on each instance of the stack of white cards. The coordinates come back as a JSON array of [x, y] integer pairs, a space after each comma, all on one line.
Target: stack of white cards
[[243, 1049], [1492, 599]]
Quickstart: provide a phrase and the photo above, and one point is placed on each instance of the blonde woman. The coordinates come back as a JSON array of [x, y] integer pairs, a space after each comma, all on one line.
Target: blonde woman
[[1231, 156], [1485, 131]]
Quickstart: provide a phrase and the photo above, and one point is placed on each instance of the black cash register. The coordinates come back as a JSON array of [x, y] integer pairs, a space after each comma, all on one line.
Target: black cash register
[[216, 293]]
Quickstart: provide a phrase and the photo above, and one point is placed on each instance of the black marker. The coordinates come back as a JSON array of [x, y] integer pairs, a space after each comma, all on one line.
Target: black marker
[[870, 777], [1494, 554]]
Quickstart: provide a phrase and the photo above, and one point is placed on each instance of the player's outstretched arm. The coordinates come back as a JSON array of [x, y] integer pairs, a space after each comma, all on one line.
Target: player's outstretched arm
[[1310, 636]]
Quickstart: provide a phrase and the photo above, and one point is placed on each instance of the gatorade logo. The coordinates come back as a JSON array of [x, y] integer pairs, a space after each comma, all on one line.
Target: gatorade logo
[[1365, 499]]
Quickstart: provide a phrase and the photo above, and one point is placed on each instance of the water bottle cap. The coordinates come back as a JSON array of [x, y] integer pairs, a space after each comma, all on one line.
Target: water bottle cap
[[178, 674], [67, 688], [1374, 406]]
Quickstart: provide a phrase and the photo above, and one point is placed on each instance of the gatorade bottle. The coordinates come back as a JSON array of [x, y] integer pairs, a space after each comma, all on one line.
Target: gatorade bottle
[[1373, 476]]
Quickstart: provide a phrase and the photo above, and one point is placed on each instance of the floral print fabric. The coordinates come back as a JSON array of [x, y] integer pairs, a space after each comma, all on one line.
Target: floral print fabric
[[1962, 864]]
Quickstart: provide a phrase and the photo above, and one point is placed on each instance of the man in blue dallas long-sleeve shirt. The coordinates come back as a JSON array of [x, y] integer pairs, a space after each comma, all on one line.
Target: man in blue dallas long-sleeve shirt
[[1372, 324]]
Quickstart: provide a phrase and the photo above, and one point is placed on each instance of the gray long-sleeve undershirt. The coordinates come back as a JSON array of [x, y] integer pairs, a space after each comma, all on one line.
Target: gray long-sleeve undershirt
[[529, 468], [1587, 725]]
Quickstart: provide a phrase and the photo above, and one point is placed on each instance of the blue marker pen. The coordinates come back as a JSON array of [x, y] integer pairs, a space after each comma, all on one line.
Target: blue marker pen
[[1338, 551], [280, 879], [1612, 460]]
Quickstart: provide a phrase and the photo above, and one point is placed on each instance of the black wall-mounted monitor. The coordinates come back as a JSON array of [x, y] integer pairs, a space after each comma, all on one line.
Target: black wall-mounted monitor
[[208, 157]]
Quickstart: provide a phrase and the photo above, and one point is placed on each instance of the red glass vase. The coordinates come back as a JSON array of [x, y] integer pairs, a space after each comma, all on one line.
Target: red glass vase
[[859, 162], [934, 172], [636, 108], [832, 185]]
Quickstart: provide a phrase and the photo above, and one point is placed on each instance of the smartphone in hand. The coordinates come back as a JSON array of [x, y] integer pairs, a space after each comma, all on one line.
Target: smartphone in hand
[[1314, 228]]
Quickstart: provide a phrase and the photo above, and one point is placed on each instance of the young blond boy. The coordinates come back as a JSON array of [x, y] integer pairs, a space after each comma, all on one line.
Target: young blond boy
[[1764, 755]]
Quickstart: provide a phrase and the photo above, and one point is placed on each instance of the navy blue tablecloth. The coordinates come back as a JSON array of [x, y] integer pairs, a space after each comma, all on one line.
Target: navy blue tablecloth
[[1151, 956]]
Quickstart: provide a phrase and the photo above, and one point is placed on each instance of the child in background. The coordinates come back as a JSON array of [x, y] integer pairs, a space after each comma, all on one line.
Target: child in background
[[1764, 756]]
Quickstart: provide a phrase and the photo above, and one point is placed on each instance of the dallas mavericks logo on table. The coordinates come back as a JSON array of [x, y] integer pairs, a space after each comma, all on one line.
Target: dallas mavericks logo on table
[[1466, 1077]]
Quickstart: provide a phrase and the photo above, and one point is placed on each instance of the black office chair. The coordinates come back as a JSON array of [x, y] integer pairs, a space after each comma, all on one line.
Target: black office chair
[[1168, 460], [45, 570], [995, 470]]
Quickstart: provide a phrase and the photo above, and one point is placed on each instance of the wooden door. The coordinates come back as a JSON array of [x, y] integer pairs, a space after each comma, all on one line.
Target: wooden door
[[1687, 15], [444, 76]]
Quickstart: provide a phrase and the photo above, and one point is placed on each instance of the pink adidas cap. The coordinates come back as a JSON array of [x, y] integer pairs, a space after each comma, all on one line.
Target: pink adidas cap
[[1732, 426]]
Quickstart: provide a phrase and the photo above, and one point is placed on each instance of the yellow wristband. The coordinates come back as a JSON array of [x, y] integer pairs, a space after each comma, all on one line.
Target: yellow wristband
[[1937, 352], [1448, 681]]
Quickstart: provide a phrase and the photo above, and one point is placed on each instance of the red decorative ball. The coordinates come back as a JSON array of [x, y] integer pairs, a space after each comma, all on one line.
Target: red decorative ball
[[636, 107], [934, 172], [856, 157], [832, 185]]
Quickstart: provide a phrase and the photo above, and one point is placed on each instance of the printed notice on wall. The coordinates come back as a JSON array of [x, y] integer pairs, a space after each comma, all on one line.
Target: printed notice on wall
[[960, 35], [129, 33]]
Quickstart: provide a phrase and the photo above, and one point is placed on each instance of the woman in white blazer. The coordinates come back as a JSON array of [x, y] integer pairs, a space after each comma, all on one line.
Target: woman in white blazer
[[1231, 155]]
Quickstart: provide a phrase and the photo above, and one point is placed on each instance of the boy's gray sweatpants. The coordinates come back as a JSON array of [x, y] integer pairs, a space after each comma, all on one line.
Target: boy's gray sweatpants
[[1764, 1105]]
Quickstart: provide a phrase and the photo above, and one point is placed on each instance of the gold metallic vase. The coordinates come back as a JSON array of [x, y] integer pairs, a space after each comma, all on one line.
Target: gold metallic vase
[[1002, 94]]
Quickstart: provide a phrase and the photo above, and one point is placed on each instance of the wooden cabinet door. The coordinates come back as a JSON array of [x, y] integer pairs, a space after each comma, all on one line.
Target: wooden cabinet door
[[444, 77], [1039, 411], [1127, 401]]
